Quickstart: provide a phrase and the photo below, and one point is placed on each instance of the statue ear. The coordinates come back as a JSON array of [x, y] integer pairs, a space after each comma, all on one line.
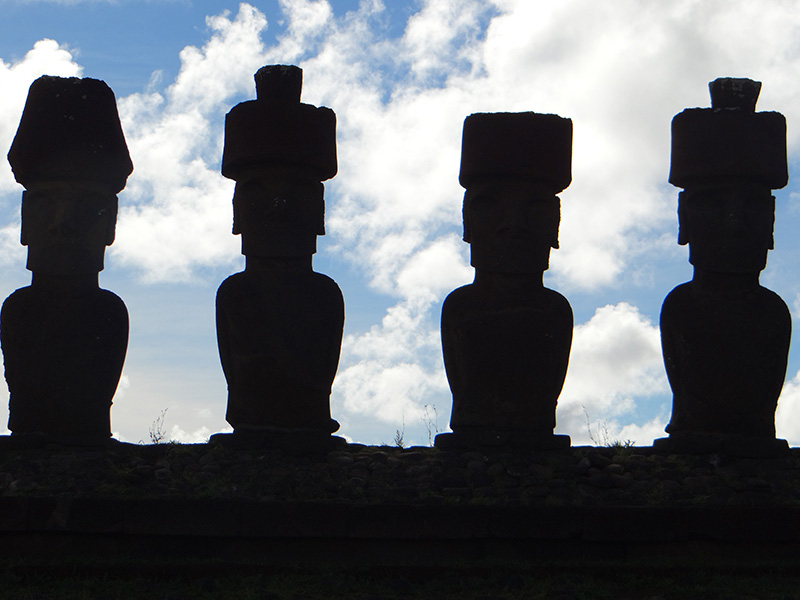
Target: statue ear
[[772, 229], [684, 229], [467, 237], [111, 225], [23, 233], [321, 224], [557, 224], [237, 229]]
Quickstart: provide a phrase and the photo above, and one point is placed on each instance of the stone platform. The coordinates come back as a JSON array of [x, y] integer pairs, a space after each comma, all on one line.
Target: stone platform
[[205, 505]]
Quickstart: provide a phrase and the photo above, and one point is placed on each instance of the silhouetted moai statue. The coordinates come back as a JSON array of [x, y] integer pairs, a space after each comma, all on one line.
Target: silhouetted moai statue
[[64, 339], [279, 324], [506, 338], [725, 338]]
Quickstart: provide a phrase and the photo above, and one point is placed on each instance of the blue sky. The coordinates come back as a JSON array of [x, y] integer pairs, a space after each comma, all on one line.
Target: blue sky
[[402, 76]]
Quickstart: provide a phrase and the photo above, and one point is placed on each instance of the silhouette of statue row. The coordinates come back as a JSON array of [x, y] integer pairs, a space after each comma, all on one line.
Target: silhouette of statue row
[[506, 338]]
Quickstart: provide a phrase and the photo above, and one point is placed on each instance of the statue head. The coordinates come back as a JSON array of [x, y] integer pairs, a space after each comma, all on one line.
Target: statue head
[[279, 151], [512, 166], [511, 224], [279, 211], [70, 154], [728, 158], [67, 226], [728, 226]]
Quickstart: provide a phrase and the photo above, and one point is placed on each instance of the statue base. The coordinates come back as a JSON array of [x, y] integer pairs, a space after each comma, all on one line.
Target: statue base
[[732, 445], [291, 440], [494, 438], [21, 441]]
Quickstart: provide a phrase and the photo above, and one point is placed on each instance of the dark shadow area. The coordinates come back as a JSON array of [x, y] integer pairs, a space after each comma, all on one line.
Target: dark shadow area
[[468, 583], [203, 520]]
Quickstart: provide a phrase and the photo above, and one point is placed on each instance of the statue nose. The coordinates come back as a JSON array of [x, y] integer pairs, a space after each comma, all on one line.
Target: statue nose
[[515, 218], [735, 221], [64, 224]]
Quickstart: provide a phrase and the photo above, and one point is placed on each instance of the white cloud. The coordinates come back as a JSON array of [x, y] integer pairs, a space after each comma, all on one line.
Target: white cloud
[[394, 369], [156, 392], [434, 271], [11, 251], [390, 394], [308, 21], [615, 362], [46, 57], [400, 104], [619, 70], [176, 210], [609, 432], [198, 436], [643, 435], [443, 34]]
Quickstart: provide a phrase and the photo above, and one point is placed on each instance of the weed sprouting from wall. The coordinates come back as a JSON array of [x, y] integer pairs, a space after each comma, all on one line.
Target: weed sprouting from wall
[[157, 432], [431, 420], [601, 436]]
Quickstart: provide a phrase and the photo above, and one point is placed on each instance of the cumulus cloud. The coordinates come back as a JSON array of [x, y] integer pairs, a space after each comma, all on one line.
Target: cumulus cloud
[[434, 270], [47, 57], [443, 35], [641, 435], [11, 252], [394, 369], [615, 361], [198, 436], [176, 212], [621, 73], [619, 70]]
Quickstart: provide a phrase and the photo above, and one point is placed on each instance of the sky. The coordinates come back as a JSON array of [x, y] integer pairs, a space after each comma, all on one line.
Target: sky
[[401, 77]]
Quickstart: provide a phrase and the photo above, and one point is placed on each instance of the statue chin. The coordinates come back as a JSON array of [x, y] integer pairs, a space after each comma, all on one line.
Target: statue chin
[[279, 246], [510, 261], [728, 260], [65, 259]]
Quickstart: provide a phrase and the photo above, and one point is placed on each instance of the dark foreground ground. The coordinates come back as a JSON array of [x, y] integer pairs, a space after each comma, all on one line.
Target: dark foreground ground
[[200, 521], [364, 475], [370, 584]]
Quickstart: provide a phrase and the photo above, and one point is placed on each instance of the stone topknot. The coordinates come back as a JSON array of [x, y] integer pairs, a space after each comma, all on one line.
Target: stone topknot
[[70, 130], [528, 145], [729, 141], [276, 128]]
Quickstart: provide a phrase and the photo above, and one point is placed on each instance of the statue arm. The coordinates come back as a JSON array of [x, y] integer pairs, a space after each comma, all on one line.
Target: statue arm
[[223, 337]]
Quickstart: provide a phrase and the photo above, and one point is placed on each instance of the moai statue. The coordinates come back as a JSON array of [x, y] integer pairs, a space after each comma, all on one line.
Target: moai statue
[[64, 339], [279, 324], [506, 338], [725, 338]]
